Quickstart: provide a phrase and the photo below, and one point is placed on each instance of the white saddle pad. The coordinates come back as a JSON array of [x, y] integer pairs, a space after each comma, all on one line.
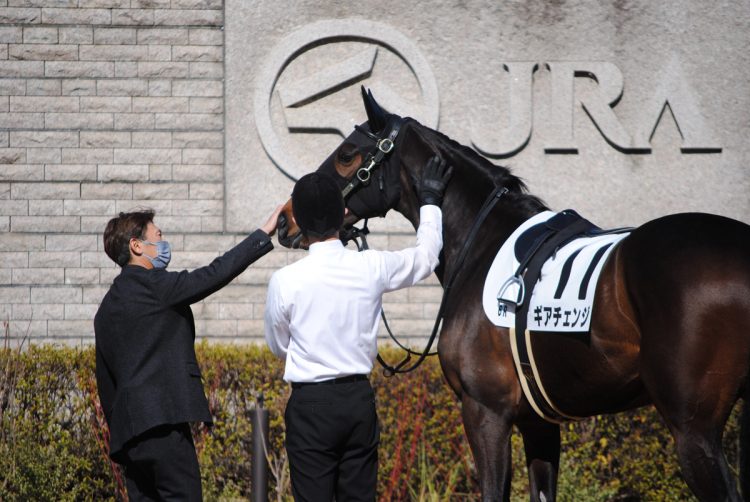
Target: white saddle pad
[[562, 299]]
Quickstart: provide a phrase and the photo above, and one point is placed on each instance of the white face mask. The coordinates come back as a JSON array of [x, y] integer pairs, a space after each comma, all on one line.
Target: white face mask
[[163, 254]]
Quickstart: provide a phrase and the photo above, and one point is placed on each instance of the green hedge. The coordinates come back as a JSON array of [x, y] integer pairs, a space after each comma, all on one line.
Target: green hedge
[[53, 438]]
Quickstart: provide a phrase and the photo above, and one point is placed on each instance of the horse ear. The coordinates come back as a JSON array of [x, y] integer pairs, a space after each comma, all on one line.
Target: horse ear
[[376, 116]]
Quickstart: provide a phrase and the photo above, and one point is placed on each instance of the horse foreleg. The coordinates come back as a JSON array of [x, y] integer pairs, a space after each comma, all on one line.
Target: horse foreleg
[[541, 441], [489, 437]]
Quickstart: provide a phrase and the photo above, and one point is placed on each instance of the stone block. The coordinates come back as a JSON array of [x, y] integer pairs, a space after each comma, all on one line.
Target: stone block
[[159, 172], [110, 4], [58, 294], [70, 172], [212, 223], [202, 53], [43, 104], [162, 36], [104, 139], [44, 155], [14, 294], [79, 87], [42, 224], [13, 34], [54, 259], [70, 329], [133, 17], [205, 36], [9, 15], [206, 105], [198, 207], [91, 69], [14, 207], [202, 88], [45, 191], [76, 35], [189, 121], [11, 156], [43, 87], [161, 207], [134, 121], [38, 311], [108, 275], [70, 242], [11, 86], [29, 276], [126, 69], [122, 87], [89, 207], [25, 331], [206, 70], [197, 4], [113, 36], [152, 139], [21, 242], [163, 70], [81, 311], [86, 17], [188, 17], [36, 35], [45, 208], [78, 276], [123, 172], [21, 120], [35, 139], [151, 104], [213, 191], [147, 155], [43, 52], [197, 172], [251, 331], [213, 243], [21, 172], [106, 191], [86, 155], [113, 53], [160, 87], [118, 104], [21, 69], [79, 120], [94, 224], [94, 294], [14, 259], [191, 139], [202, 156], [160, 191]]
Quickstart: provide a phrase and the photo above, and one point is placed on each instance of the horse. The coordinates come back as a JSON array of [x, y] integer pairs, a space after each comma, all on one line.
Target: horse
[[670, 327]]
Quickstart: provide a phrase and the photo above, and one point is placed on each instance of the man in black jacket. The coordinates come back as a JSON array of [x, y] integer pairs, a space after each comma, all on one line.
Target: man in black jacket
[[147, 374]]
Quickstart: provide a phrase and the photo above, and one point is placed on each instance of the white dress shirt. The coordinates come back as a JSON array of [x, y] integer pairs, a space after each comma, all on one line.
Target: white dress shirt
[[322, 312]]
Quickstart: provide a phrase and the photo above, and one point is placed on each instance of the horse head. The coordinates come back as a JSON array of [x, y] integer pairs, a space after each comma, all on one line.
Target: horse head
[[372, 171]]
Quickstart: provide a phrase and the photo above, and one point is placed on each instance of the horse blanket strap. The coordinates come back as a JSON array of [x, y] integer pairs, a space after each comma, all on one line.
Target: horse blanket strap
[[559, 229]]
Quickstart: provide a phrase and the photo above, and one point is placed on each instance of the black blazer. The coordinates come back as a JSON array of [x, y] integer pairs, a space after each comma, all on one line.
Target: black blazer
[[146, 370]]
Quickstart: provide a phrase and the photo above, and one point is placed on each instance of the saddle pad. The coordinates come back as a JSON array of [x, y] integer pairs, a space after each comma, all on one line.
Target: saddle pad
[[562, 299]]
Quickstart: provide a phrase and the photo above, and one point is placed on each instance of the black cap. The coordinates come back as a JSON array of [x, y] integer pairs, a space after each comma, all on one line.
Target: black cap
[[318, 205]]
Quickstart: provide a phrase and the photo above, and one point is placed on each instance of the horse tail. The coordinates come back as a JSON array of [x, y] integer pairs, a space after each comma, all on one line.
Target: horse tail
[[745, 448]]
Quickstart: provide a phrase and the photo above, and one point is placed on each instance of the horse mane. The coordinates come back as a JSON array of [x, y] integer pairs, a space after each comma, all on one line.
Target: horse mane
[[489, 174]]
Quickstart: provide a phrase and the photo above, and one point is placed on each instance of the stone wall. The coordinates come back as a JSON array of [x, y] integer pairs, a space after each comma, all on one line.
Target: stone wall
[[110, 105]]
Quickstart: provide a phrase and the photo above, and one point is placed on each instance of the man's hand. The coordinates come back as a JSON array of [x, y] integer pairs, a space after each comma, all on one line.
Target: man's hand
[[435, 176], [269, 226]]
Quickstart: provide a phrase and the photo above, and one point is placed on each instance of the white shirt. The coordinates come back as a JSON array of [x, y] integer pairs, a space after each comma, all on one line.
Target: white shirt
[[322, 312]]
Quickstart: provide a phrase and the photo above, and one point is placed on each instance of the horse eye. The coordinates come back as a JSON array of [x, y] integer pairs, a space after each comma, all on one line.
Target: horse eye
[[346, 155]]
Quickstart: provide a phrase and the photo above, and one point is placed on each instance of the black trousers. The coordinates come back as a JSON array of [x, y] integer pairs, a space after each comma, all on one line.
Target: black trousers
[[332, 437], [161, 464]]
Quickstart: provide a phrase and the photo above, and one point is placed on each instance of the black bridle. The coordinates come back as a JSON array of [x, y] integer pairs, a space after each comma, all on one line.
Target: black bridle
[[384, 145]]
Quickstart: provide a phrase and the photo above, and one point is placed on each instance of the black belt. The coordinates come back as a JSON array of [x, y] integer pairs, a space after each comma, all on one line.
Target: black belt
[[334, 381]]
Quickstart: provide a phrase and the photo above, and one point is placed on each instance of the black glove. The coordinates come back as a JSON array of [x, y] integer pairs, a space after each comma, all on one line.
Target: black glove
[[435, 176]]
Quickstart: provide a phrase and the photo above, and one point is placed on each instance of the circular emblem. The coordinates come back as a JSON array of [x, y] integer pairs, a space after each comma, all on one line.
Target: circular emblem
[[307, 92]]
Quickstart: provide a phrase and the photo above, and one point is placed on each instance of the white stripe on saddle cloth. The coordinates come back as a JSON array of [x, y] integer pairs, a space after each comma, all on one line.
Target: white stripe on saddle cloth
[[562, 299]]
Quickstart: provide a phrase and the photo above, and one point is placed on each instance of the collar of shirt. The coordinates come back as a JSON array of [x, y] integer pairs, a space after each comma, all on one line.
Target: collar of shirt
[[326, 247]]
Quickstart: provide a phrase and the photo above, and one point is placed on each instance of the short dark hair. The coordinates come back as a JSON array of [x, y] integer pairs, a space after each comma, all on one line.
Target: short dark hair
[[121, 229], [317, 205]]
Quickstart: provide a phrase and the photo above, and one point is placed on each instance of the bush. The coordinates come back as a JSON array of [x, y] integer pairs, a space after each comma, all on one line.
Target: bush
[[53, 439]]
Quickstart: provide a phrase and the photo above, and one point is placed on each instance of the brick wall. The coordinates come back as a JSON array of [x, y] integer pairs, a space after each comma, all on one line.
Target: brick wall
[[106, 106]]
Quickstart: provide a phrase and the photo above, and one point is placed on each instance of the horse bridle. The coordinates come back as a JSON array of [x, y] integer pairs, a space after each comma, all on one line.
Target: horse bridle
[[384, 146]]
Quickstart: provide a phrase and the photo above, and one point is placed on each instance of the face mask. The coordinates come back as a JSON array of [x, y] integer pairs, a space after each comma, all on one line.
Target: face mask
[[163, 254]]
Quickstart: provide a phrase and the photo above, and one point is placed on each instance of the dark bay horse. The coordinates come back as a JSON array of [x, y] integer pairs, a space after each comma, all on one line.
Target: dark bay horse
[[671, 324]]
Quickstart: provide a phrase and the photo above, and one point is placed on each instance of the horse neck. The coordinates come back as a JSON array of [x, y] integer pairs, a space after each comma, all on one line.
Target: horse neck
[[473, 181]]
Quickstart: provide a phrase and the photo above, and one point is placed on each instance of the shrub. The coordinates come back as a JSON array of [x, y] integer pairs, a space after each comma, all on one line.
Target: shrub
[[53, 439]]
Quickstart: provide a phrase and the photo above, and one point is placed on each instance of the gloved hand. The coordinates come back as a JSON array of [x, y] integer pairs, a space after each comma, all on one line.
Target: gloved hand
[[435, 176]]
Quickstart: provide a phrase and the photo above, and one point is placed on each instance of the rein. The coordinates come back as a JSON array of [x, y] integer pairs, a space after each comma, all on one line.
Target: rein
[[383, 147], [389, 370]]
